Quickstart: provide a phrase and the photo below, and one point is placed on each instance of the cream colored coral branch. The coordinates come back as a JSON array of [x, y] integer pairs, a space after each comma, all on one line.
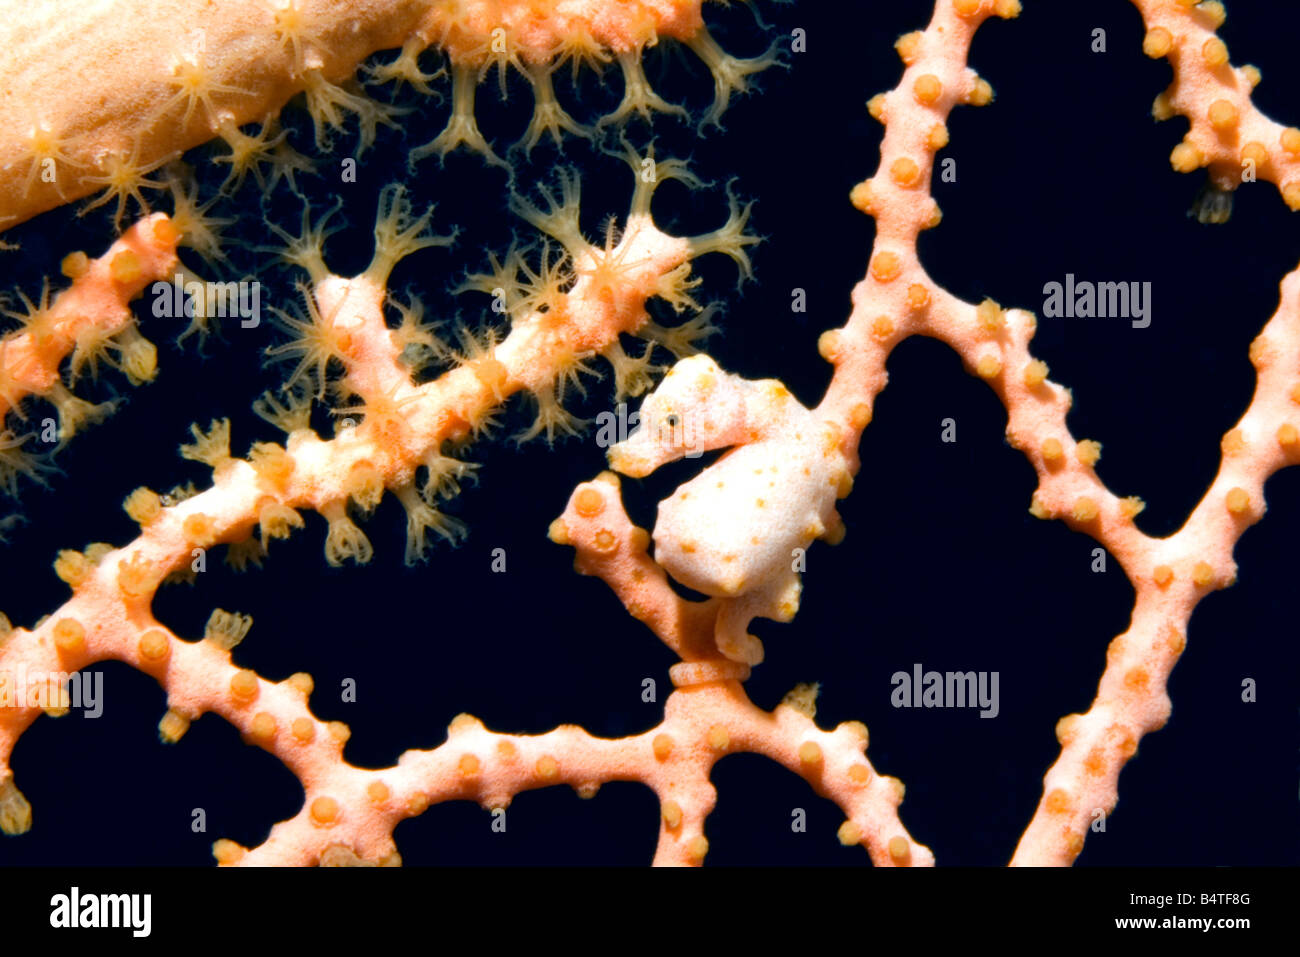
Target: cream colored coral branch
[[576, 310], [169, 75]]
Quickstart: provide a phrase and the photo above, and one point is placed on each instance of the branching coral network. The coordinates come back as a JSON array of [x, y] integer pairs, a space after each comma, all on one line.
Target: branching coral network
[[380, 405]]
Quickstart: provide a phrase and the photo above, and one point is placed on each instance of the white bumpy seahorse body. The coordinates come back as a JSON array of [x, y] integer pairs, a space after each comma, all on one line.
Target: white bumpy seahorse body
[[739, 530]]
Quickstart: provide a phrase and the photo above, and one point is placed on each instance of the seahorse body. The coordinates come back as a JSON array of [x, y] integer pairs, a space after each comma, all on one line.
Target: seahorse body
[[786, 471]]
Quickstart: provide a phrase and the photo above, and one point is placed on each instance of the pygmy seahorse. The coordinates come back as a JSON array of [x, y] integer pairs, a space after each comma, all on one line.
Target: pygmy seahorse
[[739, 530]]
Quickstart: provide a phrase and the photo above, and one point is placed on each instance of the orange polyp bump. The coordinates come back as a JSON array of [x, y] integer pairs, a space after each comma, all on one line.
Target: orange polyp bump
[[862, 199], [697, 848], [1222, 115], [154, 645], [1215, 52], [588, 502], [860, 415], [829, 345], [324, 811], [990, 317], [905, 172], [69, 636], [1052, 451], [243, 686], [672, 815], [1288, 436], [988, 366], [303, 730], [859, 774], [937, 138], [1057, 801], [263, 726], [143, 505], [876, 107], [274, 465], [981, 94], [72, 567], [1067, 729], [927, 89], [1232, 441], [166, 233], [558, 532], [859, 731], [1176, 640], [718, 738], [125, 267], [909, 46], [227, 853], [1088, 452], [1085, 509], [1131, 506], [662, 746], [1202, 573], [882, 327], [849, 834], [1214, 12], [1291, 195], [1157, 43], [886, 266], [605, 541], [302, 683], [918, 297], [417, 804], [378, 792], [1186, 158], [1136, 679], [967, 8], [1237, 500], [1007, 9], [173, 726], [548, 769], [1290, 140], [199, 530], [1254, 152], [810, 753], [75, 265], [136, 578], [900, 851], [1162, 575], [469, 765], [1035, 373]]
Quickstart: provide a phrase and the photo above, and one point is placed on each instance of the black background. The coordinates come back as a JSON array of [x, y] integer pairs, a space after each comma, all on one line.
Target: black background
[[1064, 172]]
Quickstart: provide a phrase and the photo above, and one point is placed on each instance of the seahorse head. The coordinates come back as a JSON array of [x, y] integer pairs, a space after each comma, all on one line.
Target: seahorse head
[[697, 407]]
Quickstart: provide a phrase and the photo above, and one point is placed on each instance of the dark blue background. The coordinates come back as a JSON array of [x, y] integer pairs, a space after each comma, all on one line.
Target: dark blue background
[[1064, 172]]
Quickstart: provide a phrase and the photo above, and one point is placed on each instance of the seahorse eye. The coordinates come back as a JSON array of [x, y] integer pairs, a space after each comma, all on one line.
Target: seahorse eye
[[671, 421]]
